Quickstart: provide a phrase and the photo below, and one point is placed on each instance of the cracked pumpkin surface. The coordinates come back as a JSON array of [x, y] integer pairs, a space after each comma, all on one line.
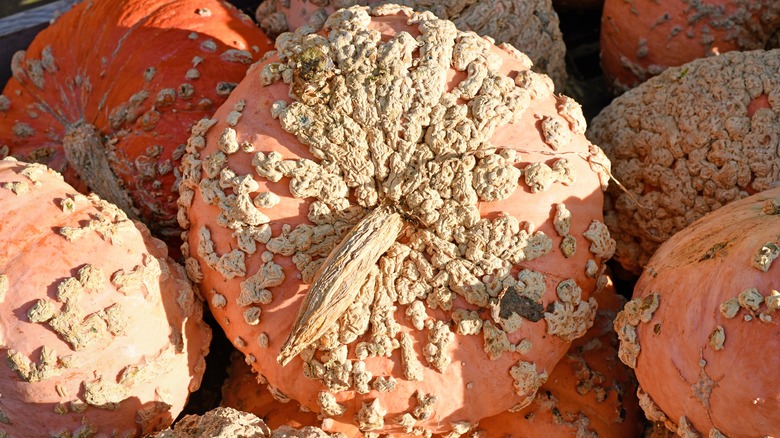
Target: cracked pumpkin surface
[[392, 184], [100, 332], [107, 94], [702, 324]]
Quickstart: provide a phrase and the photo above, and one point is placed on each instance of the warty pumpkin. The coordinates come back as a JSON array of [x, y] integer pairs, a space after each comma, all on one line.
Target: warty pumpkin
[[532, 26], [701, 329], [687, 142], [100, 332], [423, 202], [641, 38], [107, 94]]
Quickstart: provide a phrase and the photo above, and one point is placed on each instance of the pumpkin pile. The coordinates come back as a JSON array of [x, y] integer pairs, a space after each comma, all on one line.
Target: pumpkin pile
[[397, 223]]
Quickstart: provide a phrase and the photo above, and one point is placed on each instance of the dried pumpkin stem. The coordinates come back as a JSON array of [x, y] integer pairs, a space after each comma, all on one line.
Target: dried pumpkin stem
[[340, 278], [86, 154]]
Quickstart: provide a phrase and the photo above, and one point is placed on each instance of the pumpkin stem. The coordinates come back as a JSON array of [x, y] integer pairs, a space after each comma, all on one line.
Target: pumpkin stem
[[86, 154], [340, 278]]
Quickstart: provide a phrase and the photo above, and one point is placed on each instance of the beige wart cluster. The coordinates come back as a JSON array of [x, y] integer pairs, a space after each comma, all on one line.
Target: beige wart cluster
[[421, 201], [100, 332], [530, 25]]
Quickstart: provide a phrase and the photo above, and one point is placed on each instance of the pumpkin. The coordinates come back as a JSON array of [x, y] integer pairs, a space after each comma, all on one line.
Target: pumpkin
[[642, 38], [590, 393], [106, 95], [224, 422], [419, 198], [687, 142], [101, 333], [532, 26], [700, 329], [245, 391]]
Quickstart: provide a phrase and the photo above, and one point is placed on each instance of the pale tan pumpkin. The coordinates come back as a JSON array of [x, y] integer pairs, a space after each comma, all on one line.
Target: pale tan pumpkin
[[687, 142]]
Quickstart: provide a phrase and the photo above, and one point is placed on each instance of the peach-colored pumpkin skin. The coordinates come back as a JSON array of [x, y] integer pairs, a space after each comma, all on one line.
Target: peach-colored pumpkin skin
[[141, 72], [641, 38], [151, 357], [473, 386], [725, 381]]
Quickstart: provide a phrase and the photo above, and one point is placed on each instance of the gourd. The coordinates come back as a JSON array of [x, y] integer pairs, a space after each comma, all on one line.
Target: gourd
[[107, 94], [381, 182], [532, 26], [101, 332], [701, 327], [687, 142], [642, 38]]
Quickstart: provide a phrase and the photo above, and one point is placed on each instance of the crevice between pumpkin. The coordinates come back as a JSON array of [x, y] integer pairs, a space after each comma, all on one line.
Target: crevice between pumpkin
[[85, 151], [339, 279]]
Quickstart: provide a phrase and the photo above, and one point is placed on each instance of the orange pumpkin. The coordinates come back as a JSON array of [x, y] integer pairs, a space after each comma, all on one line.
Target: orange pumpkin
[[101, 333], [532, 26], [701, 328], [590, 393], [642, 38], [107, 94], [420, 199]]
